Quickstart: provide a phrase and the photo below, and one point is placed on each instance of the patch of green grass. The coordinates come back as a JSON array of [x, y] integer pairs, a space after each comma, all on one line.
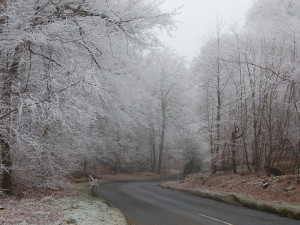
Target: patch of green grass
[[82, 180], [275, 179], [87, 191], [70, 221], [91, 193]]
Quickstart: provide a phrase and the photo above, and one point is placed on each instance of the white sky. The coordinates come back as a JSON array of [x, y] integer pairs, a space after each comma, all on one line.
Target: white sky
[[196, 17]]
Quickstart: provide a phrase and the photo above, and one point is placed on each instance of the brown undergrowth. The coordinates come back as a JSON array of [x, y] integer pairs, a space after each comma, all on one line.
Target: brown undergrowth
[[281, 195]]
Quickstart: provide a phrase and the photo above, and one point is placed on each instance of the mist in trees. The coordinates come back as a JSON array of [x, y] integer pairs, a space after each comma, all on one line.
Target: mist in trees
[[249, 89], [87, 84]]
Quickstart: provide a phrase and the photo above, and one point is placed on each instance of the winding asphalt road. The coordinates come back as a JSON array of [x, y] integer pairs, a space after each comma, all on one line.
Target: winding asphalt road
[[145, 203]]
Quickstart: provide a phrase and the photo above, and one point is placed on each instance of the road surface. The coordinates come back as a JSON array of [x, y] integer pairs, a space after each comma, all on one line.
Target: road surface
[[145, 203]]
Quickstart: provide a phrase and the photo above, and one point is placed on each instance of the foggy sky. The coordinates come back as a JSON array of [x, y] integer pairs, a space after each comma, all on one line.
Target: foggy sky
[[195, 18]]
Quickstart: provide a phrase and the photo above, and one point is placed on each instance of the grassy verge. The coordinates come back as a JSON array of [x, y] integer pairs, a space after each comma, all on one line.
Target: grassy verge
[[74, 205], [87, 209], [282, 209]]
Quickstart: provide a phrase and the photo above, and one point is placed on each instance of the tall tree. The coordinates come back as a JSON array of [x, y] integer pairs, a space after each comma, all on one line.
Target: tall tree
[[165, 75], [259, 74], [62, 65]]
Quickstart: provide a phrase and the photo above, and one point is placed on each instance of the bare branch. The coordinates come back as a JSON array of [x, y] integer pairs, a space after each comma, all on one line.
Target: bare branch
[[264, 68]]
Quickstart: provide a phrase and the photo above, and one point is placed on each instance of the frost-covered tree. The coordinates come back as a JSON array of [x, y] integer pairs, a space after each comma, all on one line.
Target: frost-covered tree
[[166, 80], [62, 67], [260, 95]]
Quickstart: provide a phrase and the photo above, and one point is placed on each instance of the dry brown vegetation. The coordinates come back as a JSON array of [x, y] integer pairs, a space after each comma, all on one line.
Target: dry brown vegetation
[[276, 194], [281, 188]]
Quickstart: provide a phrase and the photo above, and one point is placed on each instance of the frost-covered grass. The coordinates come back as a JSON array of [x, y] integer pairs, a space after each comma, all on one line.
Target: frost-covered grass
[[89, 210], [74, 205]]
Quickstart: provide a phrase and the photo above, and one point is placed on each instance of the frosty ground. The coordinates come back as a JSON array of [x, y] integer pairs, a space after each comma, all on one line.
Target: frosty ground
[[74, 205]]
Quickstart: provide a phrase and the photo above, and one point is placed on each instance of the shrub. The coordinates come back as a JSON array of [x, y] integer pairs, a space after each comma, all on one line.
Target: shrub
[[193, 165]]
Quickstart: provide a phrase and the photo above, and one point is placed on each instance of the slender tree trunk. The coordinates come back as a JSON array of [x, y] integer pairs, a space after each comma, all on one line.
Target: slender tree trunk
[[233, 156], [152, 149], [218, 138], [244, 111], [213, 166], [162, 140], [2, 20], [298, 162], [255, 152], [246, 152], [218, 74], [9, 76], [7, 163], [270, 130], [6, 98], [244, 107]]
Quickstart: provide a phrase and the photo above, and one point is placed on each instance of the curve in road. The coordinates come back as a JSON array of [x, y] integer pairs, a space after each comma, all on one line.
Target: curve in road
[[145, 203]]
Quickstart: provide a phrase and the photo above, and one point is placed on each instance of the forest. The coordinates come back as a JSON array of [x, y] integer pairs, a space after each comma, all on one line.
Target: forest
[[87, 84]]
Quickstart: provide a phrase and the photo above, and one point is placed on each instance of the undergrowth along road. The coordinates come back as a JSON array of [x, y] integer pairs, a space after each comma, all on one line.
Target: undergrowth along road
[[286, 210]]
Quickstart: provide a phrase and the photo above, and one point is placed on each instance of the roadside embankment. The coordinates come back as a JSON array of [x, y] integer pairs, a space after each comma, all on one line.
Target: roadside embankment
[[202, 187]]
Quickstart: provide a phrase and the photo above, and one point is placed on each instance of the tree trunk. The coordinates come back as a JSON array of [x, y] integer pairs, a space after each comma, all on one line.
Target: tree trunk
[[298, 162], [6, 97], [218, 139], [233, 155], [9, 76], [246, 153], [2, 20], [162, 140], [152, 150], [213, 166], [7, 163]]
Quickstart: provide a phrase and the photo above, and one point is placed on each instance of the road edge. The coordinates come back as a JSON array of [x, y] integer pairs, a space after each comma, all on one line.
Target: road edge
[[238, 200]]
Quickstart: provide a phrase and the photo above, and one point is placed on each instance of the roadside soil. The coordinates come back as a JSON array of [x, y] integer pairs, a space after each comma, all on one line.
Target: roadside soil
[[277, 189]]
